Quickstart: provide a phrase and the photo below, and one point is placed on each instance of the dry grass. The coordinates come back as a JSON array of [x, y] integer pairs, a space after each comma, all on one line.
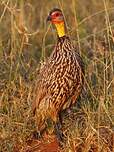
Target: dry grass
[[25, 38]]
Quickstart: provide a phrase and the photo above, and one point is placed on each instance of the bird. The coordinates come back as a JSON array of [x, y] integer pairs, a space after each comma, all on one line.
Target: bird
[[60, 80]]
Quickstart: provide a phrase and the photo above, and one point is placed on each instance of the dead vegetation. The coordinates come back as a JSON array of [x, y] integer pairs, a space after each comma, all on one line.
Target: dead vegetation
[[25, 39]]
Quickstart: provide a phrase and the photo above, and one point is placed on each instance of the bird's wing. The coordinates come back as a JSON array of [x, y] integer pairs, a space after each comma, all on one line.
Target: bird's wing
[[41, 88], [40, 93]]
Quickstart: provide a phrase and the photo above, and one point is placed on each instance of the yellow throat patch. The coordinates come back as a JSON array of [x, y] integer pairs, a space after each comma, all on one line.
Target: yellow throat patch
[[60, 29]]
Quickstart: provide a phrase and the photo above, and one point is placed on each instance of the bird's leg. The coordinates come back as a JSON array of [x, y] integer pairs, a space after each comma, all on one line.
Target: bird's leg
[[41, 127], [60, 118], [58, 131]]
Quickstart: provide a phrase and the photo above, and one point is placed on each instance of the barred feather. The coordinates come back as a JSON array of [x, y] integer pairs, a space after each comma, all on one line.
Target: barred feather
[[60, 82]]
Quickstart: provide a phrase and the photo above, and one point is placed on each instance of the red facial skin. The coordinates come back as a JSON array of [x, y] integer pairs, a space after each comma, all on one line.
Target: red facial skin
[[57, 17]]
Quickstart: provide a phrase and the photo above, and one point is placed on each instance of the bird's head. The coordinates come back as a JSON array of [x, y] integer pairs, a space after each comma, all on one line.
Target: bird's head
[[56, 17]]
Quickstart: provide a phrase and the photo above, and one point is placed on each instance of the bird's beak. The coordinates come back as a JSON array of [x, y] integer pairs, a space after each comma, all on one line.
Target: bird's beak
[[48, 18]]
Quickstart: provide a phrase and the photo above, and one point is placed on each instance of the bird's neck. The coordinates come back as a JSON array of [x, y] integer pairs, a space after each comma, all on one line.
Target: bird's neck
[[60, 27]]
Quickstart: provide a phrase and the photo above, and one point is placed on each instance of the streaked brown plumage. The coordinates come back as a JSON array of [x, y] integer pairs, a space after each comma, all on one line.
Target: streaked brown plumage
[[59, 83]]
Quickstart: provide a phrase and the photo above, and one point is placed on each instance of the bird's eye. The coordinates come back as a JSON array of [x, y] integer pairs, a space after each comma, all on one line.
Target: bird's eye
[[57, 14]]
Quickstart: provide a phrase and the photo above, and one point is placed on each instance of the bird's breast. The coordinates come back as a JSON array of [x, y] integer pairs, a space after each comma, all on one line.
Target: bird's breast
[[64, 76]]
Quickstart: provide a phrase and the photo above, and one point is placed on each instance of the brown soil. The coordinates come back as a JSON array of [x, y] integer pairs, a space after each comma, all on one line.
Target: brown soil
[[33, 145]]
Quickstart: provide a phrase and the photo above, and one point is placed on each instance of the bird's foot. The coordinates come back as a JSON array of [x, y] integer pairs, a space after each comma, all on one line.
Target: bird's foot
[[37, 135]]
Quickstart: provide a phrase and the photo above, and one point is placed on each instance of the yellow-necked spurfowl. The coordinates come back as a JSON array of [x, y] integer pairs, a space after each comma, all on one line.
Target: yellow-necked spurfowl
[[60, 79]]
